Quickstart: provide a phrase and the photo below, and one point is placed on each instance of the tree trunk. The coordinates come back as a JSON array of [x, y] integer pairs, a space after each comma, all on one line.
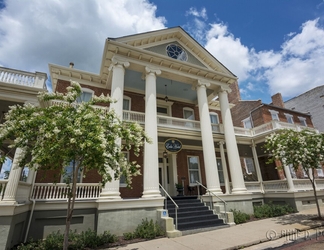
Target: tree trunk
[[312, 179], [71, 201]]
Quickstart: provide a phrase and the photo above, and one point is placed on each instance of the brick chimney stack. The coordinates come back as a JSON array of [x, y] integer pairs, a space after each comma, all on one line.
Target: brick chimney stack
[[277, 100]]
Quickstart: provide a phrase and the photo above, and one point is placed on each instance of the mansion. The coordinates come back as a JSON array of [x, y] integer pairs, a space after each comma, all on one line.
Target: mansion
[[204, 137]]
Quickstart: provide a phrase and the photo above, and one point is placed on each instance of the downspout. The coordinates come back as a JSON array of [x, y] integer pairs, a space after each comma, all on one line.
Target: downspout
[[33, 207]]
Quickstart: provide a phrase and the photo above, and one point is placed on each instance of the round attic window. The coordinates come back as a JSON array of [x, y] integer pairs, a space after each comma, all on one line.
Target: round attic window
[[176, 52]]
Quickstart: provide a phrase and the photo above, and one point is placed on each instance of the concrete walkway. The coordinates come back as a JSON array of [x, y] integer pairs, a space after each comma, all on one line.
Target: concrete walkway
[[261, 234]]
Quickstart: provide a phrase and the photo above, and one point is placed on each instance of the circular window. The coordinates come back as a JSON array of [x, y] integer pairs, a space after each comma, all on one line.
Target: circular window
[[176, 52]]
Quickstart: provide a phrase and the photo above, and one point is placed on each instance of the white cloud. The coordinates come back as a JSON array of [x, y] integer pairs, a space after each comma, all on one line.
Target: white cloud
[[229, 50], [194, 12], [294, 69], [34, 33]]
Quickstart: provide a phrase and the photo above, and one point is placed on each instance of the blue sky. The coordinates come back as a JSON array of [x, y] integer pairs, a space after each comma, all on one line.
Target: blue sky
[[271, 45]]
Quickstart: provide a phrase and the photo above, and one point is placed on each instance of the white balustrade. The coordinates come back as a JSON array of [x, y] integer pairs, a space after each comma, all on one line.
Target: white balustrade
[[59, 191], [3, 184], [275, 186], [134, 116], [302, 184], [242, 131], [23, 78], [319, 184], [253, 186]]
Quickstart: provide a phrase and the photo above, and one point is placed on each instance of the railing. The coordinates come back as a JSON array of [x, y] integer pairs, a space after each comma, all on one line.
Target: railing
[[134, 116], [23, 78], [3, 184], [52, 191], [211, 200], [319, 184], [242, 131], [175, 204], [275, 186], [167, 121], [302, 184], [253, 186]]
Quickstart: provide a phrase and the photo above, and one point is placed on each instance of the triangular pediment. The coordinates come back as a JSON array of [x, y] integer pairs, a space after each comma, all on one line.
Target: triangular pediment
[[157, 42]]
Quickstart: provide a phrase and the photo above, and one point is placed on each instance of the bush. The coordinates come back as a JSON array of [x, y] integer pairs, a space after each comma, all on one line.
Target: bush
[[147, 230], [271, 210], [240, 217], [54, 241]]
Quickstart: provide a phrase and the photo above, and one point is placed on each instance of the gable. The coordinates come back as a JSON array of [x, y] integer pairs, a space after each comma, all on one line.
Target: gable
[[162, 50], [156, 41]]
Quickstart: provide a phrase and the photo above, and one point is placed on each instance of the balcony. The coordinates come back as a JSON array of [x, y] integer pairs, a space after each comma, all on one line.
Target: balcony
[[23, 78]]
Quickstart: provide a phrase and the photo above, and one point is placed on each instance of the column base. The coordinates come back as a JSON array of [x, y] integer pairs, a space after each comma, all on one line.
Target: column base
[[239, 190], [216, 191], [151, 193], [110, 195]]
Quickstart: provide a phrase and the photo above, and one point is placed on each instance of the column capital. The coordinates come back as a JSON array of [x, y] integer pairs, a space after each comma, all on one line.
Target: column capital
[[115, 61], [150, 70], [202, 83], [224, 89], [221, 143]]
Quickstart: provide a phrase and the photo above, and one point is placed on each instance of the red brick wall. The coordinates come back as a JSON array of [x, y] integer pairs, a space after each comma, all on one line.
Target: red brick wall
[[235, 96], [242, 110]]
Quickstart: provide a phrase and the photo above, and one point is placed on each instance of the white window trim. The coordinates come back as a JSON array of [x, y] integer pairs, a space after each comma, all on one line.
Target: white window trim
[[81, 176], [274, 112], [87, 90], [130, 102], [220, 171], [245, 120], [199, 175], [214, 113], [246, 167], [289, 116], [302, 121], [189, 109]]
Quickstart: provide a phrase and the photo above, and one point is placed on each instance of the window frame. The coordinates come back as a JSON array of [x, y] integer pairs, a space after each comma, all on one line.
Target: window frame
[[220, 171], [85, 90], [80, 174], [302, 121], [244, 122], [290, 117], [190, 170], [246, 165], [274, 113]]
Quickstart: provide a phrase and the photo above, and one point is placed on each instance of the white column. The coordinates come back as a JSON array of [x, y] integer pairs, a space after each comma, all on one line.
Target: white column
[[111, 189], [151, 157], [257, 166], [224, 165], [212, 179], [291, 187], [231, 145], [13, 180]]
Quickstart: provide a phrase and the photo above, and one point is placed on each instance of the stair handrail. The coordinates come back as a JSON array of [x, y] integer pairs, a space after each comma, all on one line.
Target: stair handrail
[[211, 200], [175, 204]]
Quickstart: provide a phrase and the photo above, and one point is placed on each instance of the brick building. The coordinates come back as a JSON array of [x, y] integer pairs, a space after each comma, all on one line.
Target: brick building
[[203, 135]]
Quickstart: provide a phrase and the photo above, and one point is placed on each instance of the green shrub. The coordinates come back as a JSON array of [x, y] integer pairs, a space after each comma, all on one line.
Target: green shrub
[[271, 210], [54, 241], [148, 230], [129, 236], [240, 217]]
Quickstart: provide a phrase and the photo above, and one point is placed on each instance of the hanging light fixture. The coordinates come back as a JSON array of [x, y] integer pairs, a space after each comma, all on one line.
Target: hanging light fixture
[[166, 98], [165, 154]]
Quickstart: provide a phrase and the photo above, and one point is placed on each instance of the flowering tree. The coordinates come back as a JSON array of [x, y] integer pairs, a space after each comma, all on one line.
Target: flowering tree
[[72, 132], [300, 149]]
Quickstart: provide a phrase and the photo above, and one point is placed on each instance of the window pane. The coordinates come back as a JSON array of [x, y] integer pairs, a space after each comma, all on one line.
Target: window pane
[[247, 123], [214, 119], [84, 97], [193, 169], [125, 104], [188, 114]]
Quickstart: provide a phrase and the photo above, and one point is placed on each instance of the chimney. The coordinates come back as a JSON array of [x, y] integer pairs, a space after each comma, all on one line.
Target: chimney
[[277, 100], [71, 65]]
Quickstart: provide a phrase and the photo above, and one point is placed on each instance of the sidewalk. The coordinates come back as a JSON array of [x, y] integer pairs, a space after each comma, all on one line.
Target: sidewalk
[[261, 234]]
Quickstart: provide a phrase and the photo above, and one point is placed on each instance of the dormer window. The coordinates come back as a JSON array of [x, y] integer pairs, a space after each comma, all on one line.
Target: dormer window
[[290, 118], [302, 121], [274, 115]]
